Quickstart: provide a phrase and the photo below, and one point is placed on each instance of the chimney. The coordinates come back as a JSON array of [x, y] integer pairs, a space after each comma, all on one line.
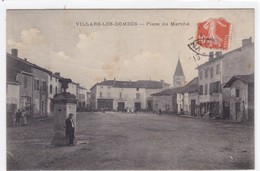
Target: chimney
[[25, 59], [218, 53], [15, 52], [57, 73], [211, 56], [246, 42]]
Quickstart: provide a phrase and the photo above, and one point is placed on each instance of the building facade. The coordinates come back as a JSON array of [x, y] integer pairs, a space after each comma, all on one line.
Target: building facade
[[82, 98], [242, 97], [54, 87], [171, 100], [123, 95], [33, 79], [216, 72], [191, 98]]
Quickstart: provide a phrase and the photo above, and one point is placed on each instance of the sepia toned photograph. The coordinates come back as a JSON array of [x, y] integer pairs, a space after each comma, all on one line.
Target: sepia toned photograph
[[130, 89]]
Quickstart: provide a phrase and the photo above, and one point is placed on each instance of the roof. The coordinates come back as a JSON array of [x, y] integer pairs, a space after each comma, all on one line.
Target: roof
[[179, 70], [29, 63], [191, 87], [245, 78], [224, 55], [168, 92], [148, 84], [13, 82]]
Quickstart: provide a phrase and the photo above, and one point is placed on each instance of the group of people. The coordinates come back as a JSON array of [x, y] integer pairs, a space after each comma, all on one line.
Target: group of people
[[21, 117]]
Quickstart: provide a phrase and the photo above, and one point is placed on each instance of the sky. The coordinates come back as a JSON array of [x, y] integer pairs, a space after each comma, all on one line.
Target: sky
[[53, 39]]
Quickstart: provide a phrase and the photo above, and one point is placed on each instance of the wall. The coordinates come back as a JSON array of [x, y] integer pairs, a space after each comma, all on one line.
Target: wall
[[239, 62], [54, 81], [40, 96], [12, 101], [73, 89], [243, 89]]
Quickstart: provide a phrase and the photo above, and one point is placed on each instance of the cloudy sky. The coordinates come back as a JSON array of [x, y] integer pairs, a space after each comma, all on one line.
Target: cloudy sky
[[87, 54]]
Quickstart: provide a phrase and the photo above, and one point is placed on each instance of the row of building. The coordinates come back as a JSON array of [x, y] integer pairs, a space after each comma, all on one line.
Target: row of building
[[31, 88], [224, 88]]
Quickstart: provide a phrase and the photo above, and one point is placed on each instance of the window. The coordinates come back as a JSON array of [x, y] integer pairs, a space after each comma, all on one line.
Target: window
[[201, 90], [206, 73], [201, 75], [237, 93], [137, 89], [137, 95], [211, 72], [217, 69], [206, 89], [50, 88], [36, 84], [218, 87], [25, 82], [51, 78], [56, 90], [120, 95], [215, 87], [100, 94], [44, 86]]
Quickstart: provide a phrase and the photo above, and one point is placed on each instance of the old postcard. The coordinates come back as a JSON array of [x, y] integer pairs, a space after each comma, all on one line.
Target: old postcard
[[130, 89]]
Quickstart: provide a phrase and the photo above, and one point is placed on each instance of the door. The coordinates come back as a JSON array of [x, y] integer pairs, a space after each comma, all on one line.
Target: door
[[105, 104], [121, 106], [237, 106], [226, 110], [149, 105], [193, 108], [138, 106], [43, 108]]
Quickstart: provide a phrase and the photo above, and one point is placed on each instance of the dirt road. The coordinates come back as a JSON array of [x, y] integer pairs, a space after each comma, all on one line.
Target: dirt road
[[135, 141]]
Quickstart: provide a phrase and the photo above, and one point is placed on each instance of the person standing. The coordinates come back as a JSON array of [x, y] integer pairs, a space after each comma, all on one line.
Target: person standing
[[24, 117], [18, 116], [70, 129]]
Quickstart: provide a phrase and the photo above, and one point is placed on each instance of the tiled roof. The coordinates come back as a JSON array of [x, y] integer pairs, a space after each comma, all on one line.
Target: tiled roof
[[244, 78], [29, 63], [179, 70], [148, 84], [191, 87], [168, 92]]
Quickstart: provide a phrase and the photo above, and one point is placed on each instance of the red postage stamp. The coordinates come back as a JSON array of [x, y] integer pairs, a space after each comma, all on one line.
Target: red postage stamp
[[214, 33]]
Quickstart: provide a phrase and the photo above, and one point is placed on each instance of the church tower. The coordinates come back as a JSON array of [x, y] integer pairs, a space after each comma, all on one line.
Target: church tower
[[178, 77]]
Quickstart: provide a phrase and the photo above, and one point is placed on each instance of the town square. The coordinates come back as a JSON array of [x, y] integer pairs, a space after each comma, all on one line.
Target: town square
[[133, 91]]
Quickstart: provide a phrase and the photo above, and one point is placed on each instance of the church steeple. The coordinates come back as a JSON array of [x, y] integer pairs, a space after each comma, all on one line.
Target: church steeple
[[178, 70], [178, 77]]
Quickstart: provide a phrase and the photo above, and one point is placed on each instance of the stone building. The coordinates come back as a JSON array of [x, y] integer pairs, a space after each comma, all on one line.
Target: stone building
[[82, 98], [54, 87], [178, 77], [167, 100], [73, 89], [33, 89], [12, 100], [191, 98], [171, 100], [242, 97], [122, 95], [217, 71]]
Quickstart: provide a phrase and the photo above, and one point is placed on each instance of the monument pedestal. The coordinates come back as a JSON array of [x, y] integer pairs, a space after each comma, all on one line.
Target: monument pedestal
[[64, 104]]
